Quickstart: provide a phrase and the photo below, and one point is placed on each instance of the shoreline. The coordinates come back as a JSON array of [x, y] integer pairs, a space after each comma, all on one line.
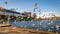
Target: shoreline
[[17, 30]]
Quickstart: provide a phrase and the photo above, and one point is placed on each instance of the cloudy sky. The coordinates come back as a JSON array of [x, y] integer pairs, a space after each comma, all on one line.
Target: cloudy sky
[[46, 6]]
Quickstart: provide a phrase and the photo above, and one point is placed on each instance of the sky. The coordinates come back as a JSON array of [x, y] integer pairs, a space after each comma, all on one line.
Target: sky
[[46, 6]]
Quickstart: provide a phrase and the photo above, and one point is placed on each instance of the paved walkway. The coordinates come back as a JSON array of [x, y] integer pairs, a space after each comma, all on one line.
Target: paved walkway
[[14, 30]]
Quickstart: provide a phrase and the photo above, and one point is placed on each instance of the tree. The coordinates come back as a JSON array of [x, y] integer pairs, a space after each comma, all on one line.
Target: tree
[[34, 16]]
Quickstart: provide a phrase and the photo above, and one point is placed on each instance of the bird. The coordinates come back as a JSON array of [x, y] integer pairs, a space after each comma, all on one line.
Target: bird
[[33, 25]]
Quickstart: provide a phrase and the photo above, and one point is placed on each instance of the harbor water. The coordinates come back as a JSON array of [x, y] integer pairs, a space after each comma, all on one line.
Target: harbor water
[[45, 25]]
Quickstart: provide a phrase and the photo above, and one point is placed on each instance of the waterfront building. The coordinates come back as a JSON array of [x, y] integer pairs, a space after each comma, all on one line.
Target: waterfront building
[[28, 14]]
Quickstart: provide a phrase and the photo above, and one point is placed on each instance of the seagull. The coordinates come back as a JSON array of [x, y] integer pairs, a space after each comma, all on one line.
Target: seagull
[[58, 27], [49, 30], [33, 25], [51, 23]]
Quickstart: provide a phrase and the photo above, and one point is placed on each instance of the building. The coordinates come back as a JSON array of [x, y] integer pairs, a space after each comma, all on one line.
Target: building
[[28, 14]]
